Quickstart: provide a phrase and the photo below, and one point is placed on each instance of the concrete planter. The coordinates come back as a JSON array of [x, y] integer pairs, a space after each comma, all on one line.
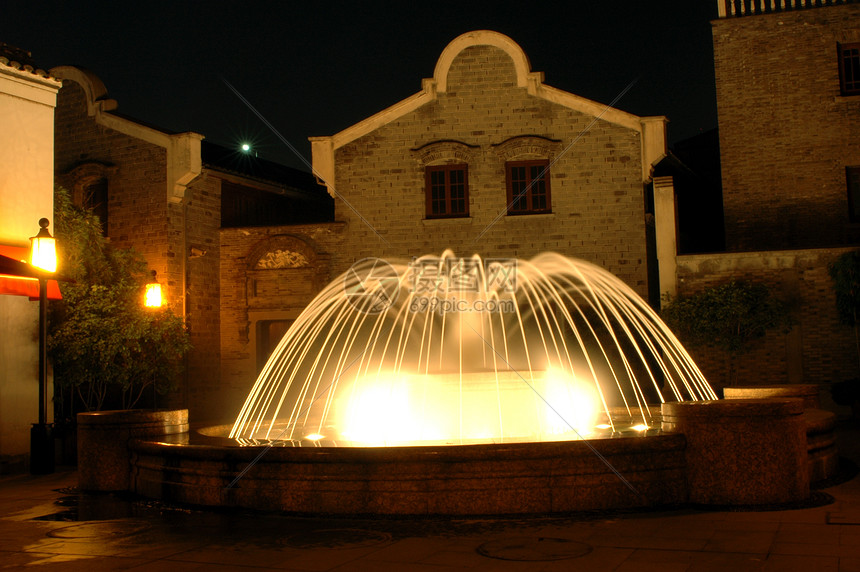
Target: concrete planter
[[104, 460]]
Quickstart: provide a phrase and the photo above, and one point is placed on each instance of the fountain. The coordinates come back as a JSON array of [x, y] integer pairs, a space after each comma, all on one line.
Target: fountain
[[452, 351], [459, 386]]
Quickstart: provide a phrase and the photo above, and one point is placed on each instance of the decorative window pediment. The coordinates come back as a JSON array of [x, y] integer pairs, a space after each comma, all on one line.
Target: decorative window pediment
[[443, 152], [527, 147]]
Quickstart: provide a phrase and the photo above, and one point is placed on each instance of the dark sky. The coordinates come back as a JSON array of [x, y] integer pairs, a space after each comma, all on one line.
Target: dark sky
[[317, 68]]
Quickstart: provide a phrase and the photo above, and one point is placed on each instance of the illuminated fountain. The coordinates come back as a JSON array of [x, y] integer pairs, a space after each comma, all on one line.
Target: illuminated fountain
[[453, 351], [451, 386]]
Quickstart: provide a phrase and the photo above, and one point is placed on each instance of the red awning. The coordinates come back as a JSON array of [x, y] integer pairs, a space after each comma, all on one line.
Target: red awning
[[19, 278]]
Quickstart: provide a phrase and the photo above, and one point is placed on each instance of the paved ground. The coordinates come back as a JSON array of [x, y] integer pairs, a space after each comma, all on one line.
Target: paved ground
[[46, 524]]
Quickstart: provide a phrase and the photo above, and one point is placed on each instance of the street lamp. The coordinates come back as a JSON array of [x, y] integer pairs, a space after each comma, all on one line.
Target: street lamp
[[152, 295], [43, 255]]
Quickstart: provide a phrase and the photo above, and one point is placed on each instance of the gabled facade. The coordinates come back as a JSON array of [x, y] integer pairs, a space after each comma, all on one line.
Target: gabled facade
[[488, 159]]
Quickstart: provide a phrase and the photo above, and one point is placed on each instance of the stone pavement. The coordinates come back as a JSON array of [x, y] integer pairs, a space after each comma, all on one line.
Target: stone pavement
[[46, 524]]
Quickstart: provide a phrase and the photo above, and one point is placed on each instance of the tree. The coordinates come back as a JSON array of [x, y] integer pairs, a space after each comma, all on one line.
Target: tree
[[728, 316], [101, 338]]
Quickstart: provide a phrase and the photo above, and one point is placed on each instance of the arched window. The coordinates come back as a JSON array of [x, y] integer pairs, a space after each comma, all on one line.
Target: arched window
[[446, 178], [528, 159]]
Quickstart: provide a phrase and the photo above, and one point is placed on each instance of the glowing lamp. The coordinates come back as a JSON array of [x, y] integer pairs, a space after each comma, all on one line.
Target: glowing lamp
[[43, 249], [152, 296], [246, 147]]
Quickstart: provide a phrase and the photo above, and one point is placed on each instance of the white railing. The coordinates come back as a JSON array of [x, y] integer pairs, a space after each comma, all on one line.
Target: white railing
[[729, 8]]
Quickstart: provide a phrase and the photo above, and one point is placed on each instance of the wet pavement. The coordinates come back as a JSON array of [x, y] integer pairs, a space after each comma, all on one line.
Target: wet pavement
[[45, 523]]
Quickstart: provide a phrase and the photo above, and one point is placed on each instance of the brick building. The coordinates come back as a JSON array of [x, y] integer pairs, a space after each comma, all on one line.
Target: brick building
[[788, 101], [487, 158], [169, 195]]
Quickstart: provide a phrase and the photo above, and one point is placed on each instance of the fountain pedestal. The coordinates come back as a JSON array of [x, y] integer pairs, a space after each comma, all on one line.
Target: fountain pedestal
[[742, 451]]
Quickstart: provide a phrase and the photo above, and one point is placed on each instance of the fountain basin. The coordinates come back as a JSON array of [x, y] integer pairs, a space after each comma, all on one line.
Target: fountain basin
[[517, 478]]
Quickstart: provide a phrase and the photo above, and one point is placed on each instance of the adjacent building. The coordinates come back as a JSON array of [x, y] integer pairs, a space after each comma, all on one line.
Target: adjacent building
[[788, 102], [169, 196], [28, 96]]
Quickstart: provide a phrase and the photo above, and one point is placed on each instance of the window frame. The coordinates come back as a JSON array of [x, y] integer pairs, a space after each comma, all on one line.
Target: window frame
[[447, 169], [853, 206], [529, 197], [855, 73]]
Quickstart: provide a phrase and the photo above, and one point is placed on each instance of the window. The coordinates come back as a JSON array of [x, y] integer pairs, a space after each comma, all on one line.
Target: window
[[849, 69], [95, 197], [447, 189], [852, 174], [528, 187]]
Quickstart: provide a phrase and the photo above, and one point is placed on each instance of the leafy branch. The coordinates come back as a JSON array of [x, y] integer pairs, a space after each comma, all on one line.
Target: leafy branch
[[101, 338], [728, 316]]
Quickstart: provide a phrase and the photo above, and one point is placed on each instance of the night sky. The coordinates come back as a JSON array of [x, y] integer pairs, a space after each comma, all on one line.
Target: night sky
[[317, 68]]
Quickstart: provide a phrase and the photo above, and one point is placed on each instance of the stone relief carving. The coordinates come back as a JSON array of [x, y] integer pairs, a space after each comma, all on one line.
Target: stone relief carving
[[282, 259]]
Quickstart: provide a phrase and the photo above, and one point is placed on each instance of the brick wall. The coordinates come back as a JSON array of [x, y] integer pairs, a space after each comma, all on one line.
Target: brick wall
[[250, 294], [786, 135], [202, 314], [596, 186], [139, 216], [818, 349], [136, 183]]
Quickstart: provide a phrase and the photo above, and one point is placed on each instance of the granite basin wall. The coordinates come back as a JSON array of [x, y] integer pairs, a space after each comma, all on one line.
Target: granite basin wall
[[822, 455], [451, 480], [104, 457], [742, 451]]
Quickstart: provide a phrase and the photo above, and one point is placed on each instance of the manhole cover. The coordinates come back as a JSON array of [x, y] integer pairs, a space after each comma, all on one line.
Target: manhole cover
[[337, 538], [532, 549], [105, 529]]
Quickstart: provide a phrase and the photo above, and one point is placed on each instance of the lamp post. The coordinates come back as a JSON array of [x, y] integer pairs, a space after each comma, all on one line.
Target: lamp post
[[43, 255], [153, 300]]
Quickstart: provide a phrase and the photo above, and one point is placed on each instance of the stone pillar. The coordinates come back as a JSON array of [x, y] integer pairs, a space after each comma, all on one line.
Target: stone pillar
[[742, 451], [666, 234], [104, 459]]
